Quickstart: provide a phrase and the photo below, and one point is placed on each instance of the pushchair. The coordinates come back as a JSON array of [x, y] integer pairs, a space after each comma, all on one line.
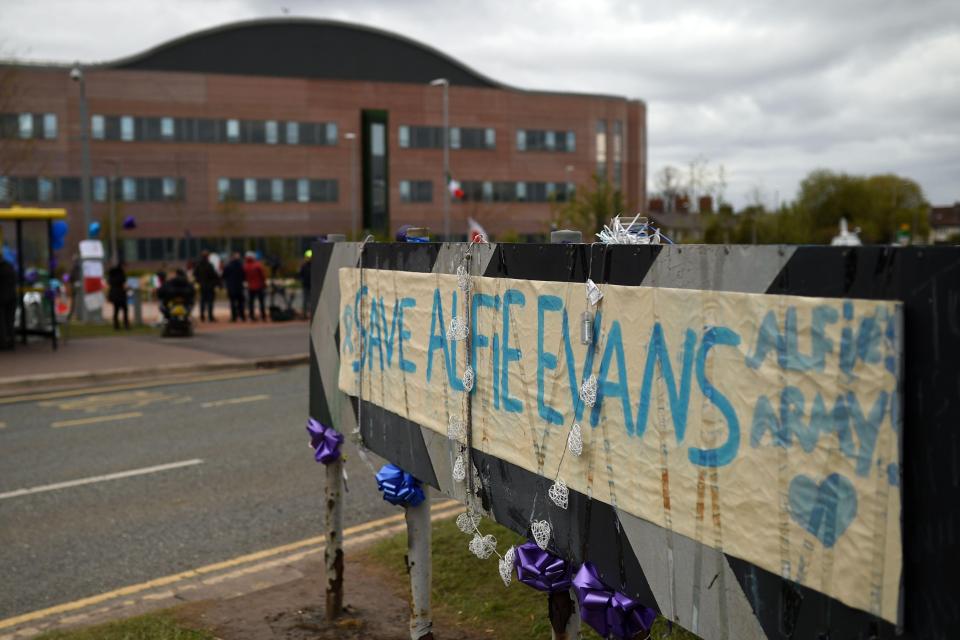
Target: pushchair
[[280, 313]]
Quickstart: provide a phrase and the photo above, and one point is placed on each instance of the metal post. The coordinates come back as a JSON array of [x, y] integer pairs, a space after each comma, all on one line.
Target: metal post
[[78, 75], [443, 82], [114, 254], [21, 280], [564, 615], [352, 137], [333, 553], [446, 162], [420, 568]]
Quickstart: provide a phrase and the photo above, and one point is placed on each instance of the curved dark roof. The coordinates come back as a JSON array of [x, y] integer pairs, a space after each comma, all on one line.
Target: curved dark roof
[[305, 48]]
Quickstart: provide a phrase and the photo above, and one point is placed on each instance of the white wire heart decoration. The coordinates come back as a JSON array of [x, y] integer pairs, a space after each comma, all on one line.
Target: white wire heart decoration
[[540, 529], [506, 566], [467, 380], [482, 546], [456, 430], [468, 521], [588, 391], [463, 279], [459, 469], [457, 329], [559, 493], [575, 440]]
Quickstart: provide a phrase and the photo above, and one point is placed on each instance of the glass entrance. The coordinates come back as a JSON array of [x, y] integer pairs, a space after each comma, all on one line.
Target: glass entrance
[[376, 200]]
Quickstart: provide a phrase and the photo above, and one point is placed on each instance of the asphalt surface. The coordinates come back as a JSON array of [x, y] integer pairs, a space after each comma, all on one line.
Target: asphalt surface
[[257, 485]]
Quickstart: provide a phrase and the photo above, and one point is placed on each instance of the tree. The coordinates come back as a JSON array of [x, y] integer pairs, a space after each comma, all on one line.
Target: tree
[[879, 205], [590, 209]]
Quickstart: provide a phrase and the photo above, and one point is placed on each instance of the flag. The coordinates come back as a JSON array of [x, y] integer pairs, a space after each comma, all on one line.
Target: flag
[[456, 192], [477, 233]]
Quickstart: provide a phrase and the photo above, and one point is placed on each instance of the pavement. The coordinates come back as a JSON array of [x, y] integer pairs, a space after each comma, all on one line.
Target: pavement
[[215, 345], [114, 498]]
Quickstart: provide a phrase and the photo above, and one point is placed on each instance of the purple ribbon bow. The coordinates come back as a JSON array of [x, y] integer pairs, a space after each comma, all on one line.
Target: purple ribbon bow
[[541, 569], [609, 612], [398, 486], [325, 441]]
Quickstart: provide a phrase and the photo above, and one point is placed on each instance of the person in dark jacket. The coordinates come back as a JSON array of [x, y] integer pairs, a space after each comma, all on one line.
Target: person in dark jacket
[[256, 283], [8, 304], [117, 294], [177, 287], [233, 278], [305, 269], [208, 280]]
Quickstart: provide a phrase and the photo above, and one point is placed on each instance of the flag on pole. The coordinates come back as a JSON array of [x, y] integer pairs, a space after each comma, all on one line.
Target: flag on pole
[[456, 192], [476, 233]]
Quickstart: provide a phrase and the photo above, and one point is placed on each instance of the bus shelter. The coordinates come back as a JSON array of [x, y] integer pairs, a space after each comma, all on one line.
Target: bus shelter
[[33, 244]]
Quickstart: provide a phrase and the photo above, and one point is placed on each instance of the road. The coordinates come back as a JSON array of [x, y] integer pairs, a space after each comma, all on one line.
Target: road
[[100, 490]]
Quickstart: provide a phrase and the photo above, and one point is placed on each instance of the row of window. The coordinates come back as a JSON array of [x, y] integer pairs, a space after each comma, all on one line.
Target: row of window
[[546, 140], [416, 137], [69, 189], [277, 190], [133, 128], [504, 191], [27, 126], [188, 248], [617, 148]]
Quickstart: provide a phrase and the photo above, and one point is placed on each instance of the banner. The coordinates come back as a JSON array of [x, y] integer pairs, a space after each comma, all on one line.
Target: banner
[[765, 426]]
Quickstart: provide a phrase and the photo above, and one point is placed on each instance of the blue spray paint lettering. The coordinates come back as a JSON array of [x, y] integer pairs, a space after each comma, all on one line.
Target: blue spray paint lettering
[[607, 388], [477, 339], [546, 361], [725, 453], [404, 334], [657, 352], [438, 340], [510, 297]]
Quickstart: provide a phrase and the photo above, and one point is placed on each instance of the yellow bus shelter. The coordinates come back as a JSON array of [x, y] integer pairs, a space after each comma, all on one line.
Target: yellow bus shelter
[[20, 216]]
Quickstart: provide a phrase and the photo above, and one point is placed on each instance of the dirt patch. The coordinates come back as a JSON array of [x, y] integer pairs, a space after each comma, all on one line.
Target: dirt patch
[[376, 608]]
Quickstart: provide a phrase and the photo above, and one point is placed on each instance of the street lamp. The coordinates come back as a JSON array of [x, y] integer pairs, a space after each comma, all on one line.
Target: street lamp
[[443, 82], [76, 74], [114, 253], [352, 137]]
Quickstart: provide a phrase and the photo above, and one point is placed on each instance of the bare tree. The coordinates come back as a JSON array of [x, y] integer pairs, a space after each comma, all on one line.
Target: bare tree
[[667, 182]]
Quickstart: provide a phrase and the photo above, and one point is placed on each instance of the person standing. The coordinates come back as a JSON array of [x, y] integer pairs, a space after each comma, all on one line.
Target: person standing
[[233, 278], [117, 294], [8, 304], [208, 280], [256, 283], [305, 269]]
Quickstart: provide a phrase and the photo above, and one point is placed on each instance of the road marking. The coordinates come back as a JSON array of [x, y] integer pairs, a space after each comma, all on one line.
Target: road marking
[[3, 425], [170, 381], [137, 399], [103, 478], [244, 399], [440, 510], [76, 422]]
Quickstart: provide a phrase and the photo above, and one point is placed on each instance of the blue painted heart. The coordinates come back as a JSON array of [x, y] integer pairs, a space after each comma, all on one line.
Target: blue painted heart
[[825, 509]]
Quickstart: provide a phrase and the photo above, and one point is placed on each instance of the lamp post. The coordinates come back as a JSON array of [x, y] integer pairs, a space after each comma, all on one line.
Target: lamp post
[[77, 75], [443, 82], [352, 137], [114, 253]]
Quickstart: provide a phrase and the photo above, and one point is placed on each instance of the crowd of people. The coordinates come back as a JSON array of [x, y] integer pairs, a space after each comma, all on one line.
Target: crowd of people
[[244, 278]]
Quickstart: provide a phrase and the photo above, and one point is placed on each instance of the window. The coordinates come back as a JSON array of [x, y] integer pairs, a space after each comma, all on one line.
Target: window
[[100, 189], [97, 127], [45, 189], [490, 138], [403, 136], [272, 131], [521, 191], [169, 188], [26, 125], [545, 140], [416, 191], [487, 191], [550, 140], [126, 128], [4, 189], [167, 131], [602, 149], [249, 190], [233, 131], [378, 143], [129, 189], [617, 152], [293, 133], [223, 189], [331, 133], [276, 190], [571, 141], [303, 190], [454, 138], [50, 126], [521, 140]]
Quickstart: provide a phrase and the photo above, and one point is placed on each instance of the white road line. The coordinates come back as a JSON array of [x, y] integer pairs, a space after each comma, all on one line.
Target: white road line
[[103, 478], [221, 403]]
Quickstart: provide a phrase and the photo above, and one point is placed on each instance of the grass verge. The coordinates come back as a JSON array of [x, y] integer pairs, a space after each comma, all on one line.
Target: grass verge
[[78, 330], [468, 593], [152, 626]]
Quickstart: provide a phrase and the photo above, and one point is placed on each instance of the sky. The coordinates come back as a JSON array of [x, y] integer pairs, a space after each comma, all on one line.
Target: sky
[[768, 90]]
